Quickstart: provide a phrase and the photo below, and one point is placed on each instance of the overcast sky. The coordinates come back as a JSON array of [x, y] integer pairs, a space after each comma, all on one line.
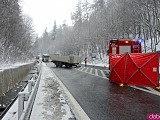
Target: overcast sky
[[44, 12]]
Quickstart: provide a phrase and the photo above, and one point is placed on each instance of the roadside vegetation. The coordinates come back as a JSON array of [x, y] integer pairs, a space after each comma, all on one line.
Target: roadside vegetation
[[16, 33], [94, 24]]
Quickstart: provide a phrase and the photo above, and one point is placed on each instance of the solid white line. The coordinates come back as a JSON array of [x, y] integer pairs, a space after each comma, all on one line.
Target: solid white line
[[103, 73], [79, 112], [155, 93], [152, 90], [96, 72]]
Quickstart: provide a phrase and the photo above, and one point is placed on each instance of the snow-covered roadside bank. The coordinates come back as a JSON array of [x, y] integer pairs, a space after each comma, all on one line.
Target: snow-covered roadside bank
[[6, 66], [53, 101], [50, 102]]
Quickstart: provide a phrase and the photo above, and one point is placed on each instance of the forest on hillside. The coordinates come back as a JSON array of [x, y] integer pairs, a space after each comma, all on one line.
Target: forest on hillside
[[16, 33], [94, 24]]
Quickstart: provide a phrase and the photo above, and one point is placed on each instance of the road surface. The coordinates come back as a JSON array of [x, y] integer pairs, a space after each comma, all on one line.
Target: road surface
[[102, 100]]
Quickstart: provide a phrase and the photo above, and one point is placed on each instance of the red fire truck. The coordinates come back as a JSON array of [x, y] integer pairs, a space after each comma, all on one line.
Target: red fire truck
[[120, 46]]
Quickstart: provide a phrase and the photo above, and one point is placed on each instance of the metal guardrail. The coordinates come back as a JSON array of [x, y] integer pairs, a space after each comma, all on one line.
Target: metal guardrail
[[24, 111]]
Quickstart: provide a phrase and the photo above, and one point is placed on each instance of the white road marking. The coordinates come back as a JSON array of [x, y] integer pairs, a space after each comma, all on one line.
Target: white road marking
[[90, 71], [93, 74], [152, 90], [83, 68], [79, 68], [155, 93], [96, 72], [79, 112], [103, 75], [86, 70], [108, 71]]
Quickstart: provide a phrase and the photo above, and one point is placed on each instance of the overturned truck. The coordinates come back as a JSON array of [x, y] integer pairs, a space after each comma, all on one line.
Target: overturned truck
[[67, 61]]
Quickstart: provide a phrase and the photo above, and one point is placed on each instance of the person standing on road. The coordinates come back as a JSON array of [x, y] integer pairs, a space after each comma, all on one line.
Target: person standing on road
[[85, 60]]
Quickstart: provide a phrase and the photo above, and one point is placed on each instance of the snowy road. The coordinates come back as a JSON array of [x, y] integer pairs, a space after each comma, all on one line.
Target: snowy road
[[92, 96], [50, 103], [102, 100]]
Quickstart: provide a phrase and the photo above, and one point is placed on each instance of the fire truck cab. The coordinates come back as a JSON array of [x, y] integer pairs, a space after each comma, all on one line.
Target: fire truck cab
[[120, 46]]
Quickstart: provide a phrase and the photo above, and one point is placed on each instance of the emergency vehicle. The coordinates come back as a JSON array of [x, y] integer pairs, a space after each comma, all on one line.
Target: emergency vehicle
[[120, 46]]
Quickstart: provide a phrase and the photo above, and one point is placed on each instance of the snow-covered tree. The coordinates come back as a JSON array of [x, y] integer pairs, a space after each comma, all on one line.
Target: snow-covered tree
[[94, 24], [15, 33]]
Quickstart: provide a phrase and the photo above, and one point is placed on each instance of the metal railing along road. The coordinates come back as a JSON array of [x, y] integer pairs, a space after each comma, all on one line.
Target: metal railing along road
[[26, 98]]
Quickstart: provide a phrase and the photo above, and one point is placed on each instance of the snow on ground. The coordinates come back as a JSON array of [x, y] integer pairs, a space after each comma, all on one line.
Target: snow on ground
[[12, 113], [6, 66], [50, 102], [97, 62], [52, 105]]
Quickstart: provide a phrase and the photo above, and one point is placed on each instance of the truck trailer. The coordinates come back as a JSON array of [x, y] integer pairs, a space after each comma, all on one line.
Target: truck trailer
[[67, 61]]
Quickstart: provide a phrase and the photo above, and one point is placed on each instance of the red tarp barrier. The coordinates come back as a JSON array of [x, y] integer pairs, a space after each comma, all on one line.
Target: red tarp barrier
[[135, 68]]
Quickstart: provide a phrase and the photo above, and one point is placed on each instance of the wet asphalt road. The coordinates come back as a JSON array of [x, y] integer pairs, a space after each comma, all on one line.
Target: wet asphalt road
[[102, 100]]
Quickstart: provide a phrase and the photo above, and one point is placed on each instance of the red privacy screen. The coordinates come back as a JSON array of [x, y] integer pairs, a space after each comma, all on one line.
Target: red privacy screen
[[135, 68]]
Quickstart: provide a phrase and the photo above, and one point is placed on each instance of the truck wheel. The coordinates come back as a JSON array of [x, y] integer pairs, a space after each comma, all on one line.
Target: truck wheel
[[66, 65]]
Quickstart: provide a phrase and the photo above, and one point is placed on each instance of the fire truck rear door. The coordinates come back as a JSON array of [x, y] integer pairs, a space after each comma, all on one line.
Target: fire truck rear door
[[124, 49]]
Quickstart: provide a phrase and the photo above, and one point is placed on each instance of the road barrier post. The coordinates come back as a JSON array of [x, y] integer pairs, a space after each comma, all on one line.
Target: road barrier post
[[31, 83], [22, 96]]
